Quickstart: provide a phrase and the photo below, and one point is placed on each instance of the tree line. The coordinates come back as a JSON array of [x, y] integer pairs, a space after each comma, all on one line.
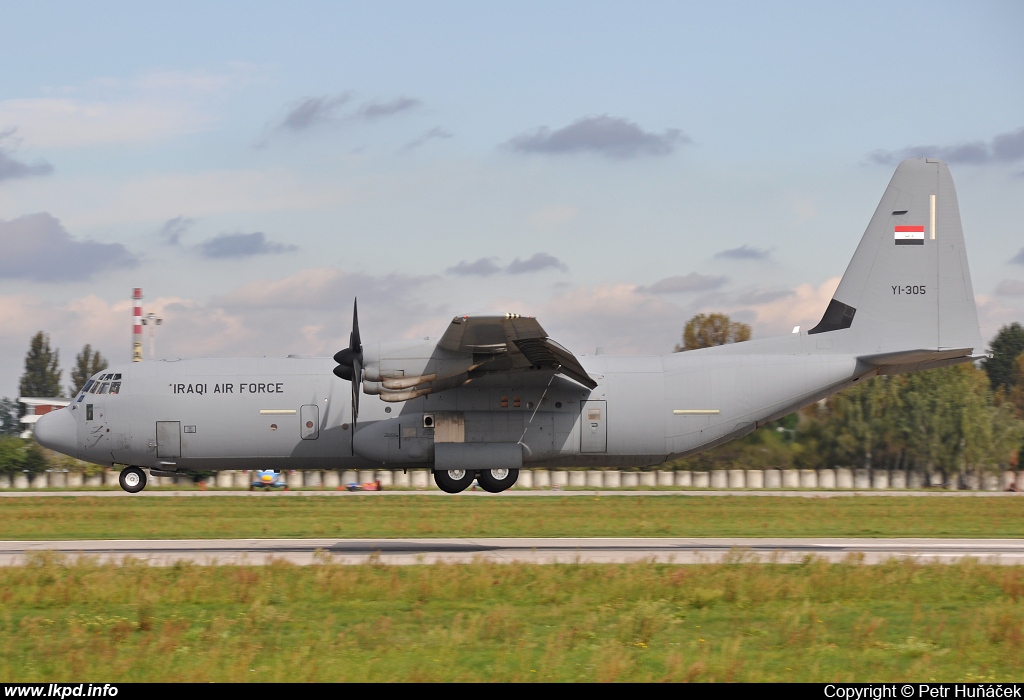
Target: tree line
[[955, 420], [42, 378]]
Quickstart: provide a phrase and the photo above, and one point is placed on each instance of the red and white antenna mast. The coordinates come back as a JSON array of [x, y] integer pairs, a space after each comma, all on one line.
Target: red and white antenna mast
[[137, 325]]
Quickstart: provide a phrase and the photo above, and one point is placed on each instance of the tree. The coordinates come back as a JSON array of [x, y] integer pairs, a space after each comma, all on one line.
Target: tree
[[42, 369], [944, 419], [18, 455], [1006, 347], [708, 330], [87, 363], [9, 417], [1016, 393]]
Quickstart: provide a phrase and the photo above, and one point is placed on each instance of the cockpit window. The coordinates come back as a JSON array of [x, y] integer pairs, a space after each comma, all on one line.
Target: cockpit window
[[103, 388], [116, 376], [115, 387], [94, 387], [87, 385]]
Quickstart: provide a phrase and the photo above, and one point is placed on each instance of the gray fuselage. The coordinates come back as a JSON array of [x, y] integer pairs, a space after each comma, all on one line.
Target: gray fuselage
[[292, 413]]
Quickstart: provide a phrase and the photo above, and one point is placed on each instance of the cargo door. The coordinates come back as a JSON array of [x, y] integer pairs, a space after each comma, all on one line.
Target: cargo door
[[168, 439], [594, 427], [309, 421]]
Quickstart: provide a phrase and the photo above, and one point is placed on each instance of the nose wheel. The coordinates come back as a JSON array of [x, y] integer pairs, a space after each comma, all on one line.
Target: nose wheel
[[132, 479]]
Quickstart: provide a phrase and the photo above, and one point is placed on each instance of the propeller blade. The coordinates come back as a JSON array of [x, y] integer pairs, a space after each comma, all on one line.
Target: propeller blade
[[355, 348], [357, 386], [350, 364], [354, 341]]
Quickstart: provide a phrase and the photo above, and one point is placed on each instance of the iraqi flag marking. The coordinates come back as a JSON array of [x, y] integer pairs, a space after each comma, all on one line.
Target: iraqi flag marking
[[909, 235]]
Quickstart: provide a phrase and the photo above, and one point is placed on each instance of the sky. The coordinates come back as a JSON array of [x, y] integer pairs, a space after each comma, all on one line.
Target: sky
[[611, 168]]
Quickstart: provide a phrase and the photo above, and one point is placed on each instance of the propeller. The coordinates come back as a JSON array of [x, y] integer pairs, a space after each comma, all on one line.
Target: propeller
[[350, 363]]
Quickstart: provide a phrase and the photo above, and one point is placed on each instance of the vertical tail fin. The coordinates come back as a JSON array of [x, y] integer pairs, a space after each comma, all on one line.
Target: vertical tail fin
[[908, 286]]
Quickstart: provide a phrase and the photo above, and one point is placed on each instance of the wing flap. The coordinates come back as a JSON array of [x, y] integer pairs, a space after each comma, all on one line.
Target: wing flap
[[547, 354], [511, 343]]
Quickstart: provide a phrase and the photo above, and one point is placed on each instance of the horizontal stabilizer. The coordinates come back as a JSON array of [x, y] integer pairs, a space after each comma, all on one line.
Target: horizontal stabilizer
[[908, 357]]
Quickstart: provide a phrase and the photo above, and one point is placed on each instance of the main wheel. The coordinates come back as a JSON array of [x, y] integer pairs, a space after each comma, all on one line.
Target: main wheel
[[455, 480], [497, 480], [132, 479]]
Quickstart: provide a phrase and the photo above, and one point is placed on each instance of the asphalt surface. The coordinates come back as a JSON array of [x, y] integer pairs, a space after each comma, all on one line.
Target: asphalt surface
[[599, 550]]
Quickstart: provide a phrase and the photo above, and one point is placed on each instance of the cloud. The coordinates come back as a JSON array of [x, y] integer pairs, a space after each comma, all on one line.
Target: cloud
[[1010, 288], [319, 289], [692, 282], [313, 111], [776, 312], [378, 110], [173, 229], [309, 113], [435, 133], [539, 261], [1018, 258], [242, 245], [74, 123], [308, 312], [744, 252], [11, 169], [1004, 148], [484, 267], [613, 137], [759, 297], [36, 247]]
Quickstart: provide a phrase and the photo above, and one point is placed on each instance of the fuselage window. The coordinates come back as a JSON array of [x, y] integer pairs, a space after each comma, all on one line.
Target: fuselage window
[[115, 387]]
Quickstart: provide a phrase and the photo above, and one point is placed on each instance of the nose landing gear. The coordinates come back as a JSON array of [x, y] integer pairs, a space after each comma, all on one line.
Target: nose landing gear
[[132, 479]]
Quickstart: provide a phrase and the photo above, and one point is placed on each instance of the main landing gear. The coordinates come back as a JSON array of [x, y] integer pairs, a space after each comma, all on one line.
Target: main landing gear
[[132, 479], [493, 480]]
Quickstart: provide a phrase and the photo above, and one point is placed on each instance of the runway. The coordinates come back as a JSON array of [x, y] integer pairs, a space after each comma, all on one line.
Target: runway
[[532, 550]]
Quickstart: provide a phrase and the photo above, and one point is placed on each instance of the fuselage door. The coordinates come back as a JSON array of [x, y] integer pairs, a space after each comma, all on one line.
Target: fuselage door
[[594, 427], [309, 425], [168, 439]]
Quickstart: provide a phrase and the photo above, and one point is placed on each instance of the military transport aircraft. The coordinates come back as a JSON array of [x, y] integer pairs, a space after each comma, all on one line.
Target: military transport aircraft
[[495, 392]]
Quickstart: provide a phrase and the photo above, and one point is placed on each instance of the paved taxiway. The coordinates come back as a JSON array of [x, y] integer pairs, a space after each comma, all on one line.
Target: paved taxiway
[[681, 550]]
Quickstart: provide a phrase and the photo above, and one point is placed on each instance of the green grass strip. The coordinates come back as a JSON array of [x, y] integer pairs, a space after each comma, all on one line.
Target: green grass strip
[[576, 516], [899, 621]]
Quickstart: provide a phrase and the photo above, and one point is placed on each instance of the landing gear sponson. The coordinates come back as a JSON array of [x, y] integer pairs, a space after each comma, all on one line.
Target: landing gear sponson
[[492, 480]]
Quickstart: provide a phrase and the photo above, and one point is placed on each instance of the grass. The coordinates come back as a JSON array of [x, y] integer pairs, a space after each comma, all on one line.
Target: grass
[[575, 516], [900, 621]]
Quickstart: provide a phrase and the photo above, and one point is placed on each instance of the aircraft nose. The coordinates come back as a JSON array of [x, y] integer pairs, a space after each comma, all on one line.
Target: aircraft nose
[[58, 431]]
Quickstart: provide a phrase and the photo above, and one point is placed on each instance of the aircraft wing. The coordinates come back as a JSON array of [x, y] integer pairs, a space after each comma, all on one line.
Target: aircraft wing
[[510, 343]]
